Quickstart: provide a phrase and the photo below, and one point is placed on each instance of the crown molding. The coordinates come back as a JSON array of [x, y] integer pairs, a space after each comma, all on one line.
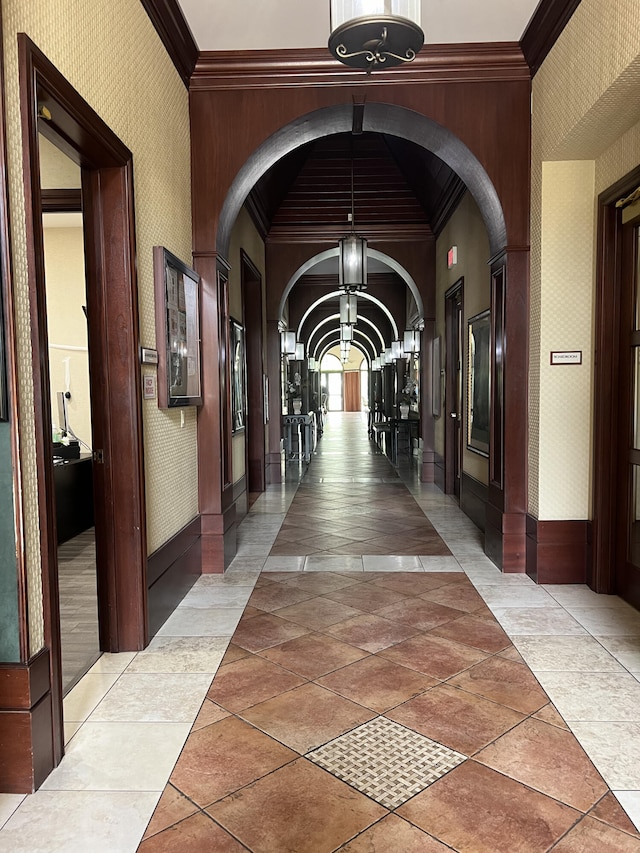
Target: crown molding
[[171, 25], [542, 32], [295, 67], [332, 233]]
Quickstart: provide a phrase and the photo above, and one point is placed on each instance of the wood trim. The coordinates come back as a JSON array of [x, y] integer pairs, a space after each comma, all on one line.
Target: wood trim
[[548, 21], [171, 572], [473, 499], [26, 723], [330, 234], [436, 63], [558, 551], [61, 201], [438, 470], [171, 25]]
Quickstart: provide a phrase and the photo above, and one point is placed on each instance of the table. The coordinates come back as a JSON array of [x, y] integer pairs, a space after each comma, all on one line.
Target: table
[[300, 436]]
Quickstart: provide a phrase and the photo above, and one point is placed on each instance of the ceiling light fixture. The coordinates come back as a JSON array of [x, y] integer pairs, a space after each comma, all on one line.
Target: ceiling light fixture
[[353, 253], [375, 34]]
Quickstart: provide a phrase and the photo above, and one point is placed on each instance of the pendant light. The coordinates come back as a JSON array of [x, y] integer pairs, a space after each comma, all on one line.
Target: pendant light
[[353, 253]]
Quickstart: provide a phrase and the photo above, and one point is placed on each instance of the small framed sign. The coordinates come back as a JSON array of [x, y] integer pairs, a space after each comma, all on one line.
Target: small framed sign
[[566, 357], [149, 387]]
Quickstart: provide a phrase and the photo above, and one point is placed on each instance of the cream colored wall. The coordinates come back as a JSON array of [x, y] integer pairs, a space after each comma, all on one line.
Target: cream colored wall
[[245, 238], [467, 231], [67, 326], [585, 136], [109, 51]]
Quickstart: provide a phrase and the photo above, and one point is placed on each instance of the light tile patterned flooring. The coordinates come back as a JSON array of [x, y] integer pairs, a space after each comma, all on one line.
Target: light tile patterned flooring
[[342, 639]]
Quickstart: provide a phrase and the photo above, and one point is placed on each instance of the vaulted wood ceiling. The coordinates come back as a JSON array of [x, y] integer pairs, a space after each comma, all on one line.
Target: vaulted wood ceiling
[[395, 183]]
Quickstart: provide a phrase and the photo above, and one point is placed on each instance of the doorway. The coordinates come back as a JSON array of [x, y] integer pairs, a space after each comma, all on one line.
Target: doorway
[[256, 387], [70, 404], [454, 312], [616, 537]]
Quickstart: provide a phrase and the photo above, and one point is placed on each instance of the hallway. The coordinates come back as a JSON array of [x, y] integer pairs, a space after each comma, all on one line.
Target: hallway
[[369, 694]]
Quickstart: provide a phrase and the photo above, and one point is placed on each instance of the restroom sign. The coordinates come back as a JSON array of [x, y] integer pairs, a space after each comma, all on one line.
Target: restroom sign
[[567, 357]]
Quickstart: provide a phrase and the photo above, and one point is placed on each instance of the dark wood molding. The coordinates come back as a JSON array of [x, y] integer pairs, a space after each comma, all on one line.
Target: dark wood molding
[[548, 21], [438, 470], [473, 499], [61, 201], [26, 723], [170, 24], [171, 572], [330, 234], [558, 551], [436, 63]]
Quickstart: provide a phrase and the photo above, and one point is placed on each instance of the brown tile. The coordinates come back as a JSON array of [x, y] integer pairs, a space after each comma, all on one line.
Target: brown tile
[[548, 759], [197, 834], [417, 583], [459, 596], [610, 811], [209, 713], [591, 836], [219, 759], [504, 681], [511, 653], [475, 809], [394, 834], [320, 583], [233, 653], [455, 718], [476, 632], [434, 656], [419, 613], [366, 596], [172, 807], [377, 684], [318, 612], [371, 632], [306, 717], [264, 631], [300, 808], [549, 714], [249, 681], [249, 612], [275, 596], [313, 655]]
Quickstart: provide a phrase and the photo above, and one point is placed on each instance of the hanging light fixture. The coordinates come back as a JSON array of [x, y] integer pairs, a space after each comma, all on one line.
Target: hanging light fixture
[[353, 253], [345, 347], [375, 34], [346, 332], [349, 309]]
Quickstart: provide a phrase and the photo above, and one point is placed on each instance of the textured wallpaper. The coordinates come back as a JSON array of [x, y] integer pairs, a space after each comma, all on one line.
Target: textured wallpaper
[[111, 54], [585, 136]]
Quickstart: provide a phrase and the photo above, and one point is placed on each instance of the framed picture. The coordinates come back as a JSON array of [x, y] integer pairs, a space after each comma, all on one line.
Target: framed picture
[[478, 383], [436, 405], [177, 291], [237, 368]]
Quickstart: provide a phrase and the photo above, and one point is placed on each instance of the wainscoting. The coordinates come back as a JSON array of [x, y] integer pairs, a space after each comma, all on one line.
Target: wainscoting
[[558, 551], [473, 499], [171, 572]]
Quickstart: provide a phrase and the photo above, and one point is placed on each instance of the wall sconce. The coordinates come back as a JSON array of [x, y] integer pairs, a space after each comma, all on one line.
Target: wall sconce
[[349, 309], [299, 352], [396, 350], [288, 343], [411, 342], [388, 358], [375, 364], [311, 363]]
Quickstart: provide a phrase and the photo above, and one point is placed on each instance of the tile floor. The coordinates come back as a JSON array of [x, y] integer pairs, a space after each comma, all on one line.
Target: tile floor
[[367, 697]]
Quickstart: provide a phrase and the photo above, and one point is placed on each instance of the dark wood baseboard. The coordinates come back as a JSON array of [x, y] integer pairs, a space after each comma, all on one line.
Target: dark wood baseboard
[[558, 551], [473, 500], [505, 539], [171, 572], [438, 471], [26, 725]]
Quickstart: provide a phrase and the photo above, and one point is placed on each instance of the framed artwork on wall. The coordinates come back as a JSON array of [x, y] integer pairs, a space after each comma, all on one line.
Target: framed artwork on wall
[[237, 368], [177, 292], [478, 383]]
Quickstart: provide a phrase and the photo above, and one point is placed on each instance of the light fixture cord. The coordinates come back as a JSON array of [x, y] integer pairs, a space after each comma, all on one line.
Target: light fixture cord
[[353, 205]]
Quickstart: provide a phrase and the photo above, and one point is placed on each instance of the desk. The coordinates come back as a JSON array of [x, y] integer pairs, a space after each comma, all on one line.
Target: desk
[[73, 483], [299, 436]]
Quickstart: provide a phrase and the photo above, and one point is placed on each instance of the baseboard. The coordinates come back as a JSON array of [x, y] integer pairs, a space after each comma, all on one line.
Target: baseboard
[[439, 471], [558, 551], [473, 500], [171, 572], [26, 725]]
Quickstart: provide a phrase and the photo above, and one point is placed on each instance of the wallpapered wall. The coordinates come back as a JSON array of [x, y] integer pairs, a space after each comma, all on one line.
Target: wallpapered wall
[[585, 136], [109, 51], [466, 230]]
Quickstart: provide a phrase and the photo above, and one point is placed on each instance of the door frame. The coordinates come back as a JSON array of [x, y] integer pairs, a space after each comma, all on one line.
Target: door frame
[[452, 443], [255, 463], [112, 307], [601, 573]]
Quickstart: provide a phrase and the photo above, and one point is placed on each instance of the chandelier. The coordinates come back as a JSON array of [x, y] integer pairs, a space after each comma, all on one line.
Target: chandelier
[[375, 34]]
